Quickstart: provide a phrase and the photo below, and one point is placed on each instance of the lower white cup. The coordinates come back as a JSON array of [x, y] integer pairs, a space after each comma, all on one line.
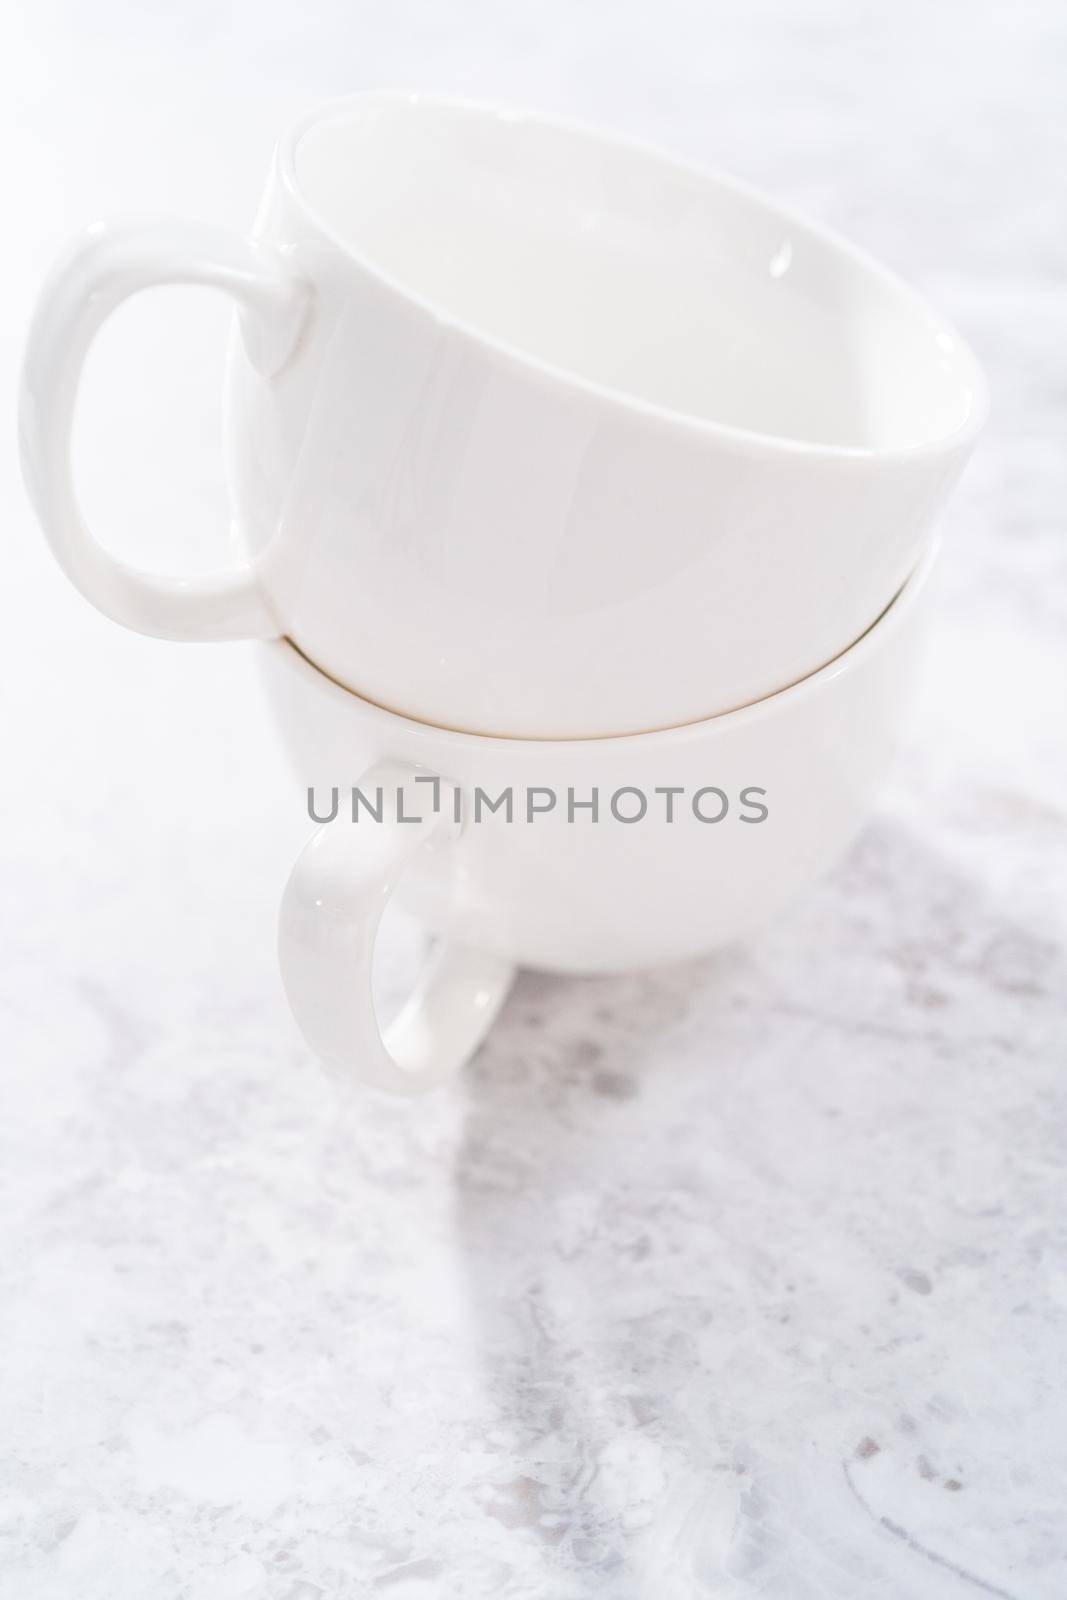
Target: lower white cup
[[759, 802]]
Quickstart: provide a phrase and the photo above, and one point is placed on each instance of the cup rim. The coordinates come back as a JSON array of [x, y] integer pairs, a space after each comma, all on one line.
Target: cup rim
[[874, 638], [745, 439]]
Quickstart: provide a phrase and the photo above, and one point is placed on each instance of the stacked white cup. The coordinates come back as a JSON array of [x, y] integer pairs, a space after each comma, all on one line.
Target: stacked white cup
[[556, 466]]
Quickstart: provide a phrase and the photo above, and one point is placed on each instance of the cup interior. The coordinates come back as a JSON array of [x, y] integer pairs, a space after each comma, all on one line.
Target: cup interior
[[608, 262]]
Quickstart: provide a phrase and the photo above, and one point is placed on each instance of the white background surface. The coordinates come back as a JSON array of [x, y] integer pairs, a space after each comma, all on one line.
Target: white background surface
[[745, 1279]]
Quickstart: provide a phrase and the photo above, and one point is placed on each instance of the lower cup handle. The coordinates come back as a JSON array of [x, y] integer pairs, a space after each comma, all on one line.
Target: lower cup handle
[[332, 906]]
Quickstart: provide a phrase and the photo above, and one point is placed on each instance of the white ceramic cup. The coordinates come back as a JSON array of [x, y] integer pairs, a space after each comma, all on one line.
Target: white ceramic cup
[[531, 431], [761, 801]]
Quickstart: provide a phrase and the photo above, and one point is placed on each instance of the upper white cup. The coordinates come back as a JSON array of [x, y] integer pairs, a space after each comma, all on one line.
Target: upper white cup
[[533, 432]]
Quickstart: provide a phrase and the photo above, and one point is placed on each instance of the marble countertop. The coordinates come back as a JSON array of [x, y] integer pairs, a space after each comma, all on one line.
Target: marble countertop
[[745, 1279]]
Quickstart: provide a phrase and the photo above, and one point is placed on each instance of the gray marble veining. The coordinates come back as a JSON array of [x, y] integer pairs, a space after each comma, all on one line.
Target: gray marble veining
[[743, 1279]]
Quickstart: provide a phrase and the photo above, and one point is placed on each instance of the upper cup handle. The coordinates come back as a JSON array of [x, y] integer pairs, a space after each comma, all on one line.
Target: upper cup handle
[[100, 270]]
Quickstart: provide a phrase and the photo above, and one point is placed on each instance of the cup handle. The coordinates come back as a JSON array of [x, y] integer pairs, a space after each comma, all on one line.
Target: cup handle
[[332, 906], [101, 270]]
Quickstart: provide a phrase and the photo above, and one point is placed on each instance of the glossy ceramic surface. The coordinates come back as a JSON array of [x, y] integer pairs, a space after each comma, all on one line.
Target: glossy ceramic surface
[[558, 893], [510, 396]]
